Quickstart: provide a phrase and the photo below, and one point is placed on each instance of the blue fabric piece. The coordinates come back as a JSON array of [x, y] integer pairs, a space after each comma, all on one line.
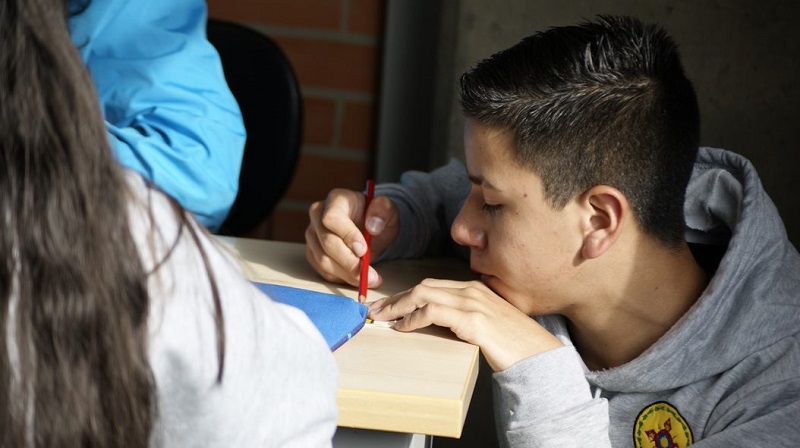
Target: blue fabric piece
[[169, 113], [338, 318]]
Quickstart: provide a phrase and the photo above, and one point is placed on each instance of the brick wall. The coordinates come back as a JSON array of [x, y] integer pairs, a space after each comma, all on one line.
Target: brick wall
[[334, 47]]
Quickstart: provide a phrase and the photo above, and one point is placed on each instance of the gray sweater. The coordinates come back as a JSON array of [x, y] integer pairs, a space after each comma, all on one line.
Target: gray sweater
[[726, 374], [280, 377]]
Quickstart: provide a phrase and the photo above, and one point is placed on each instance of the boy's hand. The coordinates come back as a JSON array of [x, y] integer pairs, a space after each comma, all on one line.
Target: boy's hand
[[474, 313], [334, 239]]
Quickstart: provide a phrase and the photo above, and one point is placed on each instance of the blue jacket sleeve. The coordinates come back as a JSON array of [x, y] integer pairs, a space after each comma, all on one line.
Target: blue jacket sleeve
[[169, 112]]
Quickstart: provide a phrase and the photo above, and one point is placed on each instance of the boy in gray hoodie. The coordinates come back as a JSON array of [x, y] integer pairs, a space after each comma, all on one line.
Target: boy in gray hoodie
[[664, 292]]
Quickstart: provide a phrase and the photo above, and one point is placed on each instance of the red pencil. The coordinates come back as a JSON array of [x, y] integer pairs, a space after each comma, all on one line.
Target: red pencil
[[362, 281]]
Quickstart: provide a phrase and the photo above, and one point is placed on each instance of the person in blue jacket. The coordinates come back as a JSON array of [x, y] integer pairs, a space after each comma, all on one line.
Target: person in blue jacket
[[168, 110]]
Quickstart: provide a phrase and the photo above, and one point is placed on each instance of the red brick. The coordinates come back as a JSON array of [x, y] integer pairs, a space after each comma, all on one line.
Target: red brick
[[357, 126], [338, 65], [314, 14], [366, 17], [319, 121], [317, 175], [289, 225]]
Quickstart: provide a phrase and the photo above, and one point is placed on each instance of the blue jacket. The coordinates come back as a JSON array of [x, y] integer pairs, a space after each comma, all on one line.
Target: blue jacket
[[168, 110]]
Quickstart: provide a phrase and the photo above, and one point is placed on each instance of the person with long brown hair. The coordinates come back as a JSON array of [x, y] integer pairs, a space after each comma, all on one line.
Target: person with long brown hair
[[122, 323]]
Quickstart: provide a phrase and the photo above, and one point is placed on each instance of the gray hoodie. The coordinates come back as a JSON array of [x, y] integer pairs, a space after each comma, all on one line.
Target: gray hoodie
[[726, 374]]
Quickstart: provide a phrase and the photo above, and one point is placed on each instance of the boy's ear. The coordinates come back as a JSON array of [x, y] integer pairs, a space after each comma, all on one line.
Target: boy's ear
[[605, 209]]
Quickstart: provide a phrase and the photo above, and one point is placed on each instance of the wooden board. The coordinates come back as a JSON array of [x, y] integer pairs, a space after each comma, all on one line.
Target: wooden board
[[419, 382]]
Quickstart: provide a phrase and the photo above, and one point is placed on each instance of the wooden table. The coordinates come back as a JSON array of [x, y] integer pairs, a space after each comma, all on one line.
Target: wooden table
[[419, 382]]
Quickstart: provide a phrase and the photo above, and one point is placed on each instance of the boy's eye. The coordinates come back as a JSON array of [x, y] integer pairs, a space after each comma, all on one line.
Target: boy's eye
[[490, 209]]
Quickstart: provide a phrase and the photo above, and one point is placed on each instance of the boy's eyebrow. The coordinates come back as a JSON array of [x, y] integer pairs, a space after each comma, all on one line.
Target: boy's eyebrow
[[479, 180]]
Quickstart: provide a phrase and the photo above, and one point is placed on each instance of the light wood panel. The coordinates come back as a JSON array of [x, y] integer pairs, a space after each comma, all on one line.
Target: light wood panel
[[419, 382]]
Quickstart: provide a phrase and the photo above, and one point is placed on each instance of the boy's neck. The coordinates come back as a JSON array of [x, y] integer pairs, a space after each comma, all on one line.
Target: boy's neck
[[646, 297]]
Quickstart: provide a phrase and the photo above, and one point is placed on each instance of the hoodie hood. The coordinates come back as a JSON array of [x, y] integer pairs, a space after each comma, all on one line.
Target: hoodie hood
[[751, 302]]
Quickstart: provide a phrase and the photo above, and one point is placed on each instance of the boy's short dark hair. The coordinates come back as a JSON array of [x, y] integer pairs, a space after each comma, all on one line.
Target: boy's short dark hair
[[600, 103]]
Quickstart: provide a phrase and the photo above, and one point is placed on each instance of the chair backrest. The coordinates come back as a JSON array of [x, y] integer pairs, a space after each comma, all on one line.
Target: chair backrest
[[266, 88]]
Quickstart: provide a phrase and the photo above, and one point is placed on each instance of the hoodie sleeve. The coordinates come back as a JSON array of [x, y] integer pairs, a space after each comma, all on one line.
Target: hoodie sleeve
[[169, 113], [427, 204], [545, 401]]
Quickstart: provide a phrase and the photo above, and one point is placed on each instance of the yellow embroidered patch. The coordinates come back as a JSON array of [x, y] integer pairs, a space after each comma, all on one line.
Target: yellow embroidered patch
[[660, 425]]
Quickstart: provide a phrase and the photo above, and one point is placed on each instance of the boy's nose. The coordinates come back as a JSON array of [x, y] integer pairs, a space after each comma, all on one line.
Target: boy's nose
[[465, 229]]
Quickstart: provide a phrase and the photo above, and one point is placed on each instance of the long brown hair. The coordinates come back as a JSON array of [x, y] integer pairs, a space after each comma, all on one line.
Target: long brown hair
[[73, 298]]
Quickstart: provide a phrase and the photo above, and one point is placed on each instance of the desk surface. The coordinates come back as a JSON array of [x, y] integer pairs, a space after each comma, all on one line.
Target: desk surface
[[419, 382]]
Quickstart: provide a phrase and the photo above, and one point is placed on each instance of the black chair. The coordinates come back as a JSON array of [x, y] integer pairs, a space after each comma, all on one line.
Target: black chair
[[264, 84]]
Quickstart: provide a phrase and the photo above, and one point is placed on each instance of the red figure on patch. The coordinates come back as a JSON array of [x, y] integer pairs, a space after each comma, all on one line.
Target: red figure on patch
[[662, 438]]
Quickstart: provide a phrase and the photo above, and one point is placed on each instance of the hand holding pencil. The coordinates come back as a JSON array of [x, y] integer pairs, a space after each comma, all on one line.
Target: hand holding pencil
[[336, 238]]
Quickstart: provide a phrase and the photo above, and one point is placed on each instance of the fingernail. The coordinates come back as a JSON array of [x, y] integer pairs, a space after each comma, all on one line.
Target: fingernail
[[372, 277], [359, 248], [375, 224]]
